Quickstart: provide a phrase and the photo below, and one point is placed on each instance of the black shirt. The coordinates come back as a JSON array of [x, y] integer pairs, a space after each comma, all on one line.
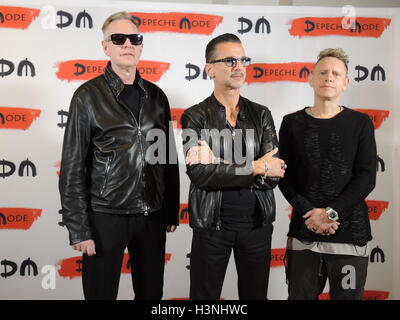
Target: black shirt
[[239, 209], [131, 95]]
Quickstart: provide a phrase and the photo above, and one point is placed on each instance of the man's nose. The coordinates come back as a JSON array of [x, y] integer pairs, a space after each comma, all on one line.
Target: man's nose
[[329, 77], [238, 65], [127, 43]]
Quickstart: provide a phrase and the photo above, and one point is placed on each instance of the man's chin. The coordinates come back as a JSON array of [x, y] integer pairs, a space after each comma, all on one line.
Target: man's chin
[[236, 85], [126, 64]]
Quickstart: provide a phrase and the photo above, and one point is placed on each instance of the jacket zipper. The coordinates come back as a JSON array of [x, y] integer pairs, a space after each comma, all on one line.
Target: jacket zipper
[[108, 165], [219, 223], [146, 208]]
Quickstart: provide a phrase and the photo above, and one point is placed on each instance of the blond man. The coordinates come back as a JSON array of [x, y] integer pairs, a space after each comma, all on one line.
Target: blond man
[[330, 151]]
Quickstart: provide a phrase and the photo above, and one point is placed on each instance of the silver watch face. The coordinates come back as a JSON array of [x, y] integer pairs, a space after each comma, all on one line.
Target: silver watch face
[[332, 214]]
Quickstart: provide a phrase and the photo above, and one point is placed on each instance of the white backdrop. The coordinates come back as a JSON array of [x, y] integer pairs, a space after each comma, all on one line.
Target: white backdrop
[[36, 261]]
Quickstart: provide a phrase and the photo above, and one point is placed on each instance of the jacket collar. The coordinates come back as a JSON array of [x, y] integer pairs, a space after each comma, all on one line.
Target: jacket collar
[[115, 81], [221, 108]]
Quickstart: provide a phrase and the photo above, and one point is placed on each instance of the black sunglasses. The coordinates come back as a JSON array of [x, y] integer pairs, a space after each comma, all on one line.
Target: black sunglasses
[[232, 61], [118, 39]]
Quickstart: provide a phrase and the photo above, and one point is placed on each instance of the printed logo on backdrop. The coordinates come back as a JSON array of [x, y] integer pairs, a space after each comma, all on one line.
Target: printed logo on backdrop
[[61, 223], [29, 268], [194, 72], [79, 70], [17, 118], [377, 73], [183, 213], [272, 72], [324, 26], [10, 268], [65, 19], [377, 255], [295, 71], [277, 257], [376, 116], [18, 218], [72, 267], [63, 118], [380, 164], [17, 17], [188, 257], [25, 168], [176, 114], [21, 18], [261, 25], [25, 68], [180, 22], [368, 295], [375, 209]]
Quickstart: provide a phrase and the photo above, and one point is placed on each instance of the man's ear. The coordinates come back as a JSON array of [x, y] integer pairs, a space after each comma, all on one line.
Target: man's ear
[[209, 68], [346, 85], [310, 79], [104, 44], [141, 50]]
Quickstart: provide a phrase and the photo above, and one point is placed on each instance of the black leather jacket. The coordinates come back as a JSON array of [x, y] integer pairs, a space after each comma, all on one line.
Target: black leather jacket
[[103, 167], [208, 181]]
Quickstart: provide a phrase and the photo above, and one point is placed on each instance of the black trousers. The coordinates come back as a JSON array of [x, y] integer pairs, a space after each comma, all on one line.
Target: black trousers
[[210, 256], [307, 272], [145, 239]]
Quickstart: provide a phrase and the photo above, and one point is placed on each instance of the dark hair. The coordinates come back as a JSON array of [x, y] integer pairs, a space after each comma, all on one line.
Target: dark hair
[[226, 37]]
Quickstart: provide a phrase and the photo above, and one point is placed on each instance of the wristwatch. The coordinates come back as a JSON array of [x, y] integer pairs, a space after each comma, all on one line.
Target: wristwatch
[[332, 214]]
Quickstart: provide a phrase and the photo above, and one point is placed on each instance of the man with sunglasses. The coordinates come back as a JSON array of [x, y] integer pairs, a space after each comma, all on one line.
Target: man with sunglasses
[[112, 196], [231, 201]]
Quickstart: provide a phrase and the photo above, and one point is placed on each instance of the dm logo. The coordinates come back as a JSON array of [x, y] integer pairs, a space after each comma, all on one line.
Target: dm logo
[[262, 25], [377, 255], [25, 68]]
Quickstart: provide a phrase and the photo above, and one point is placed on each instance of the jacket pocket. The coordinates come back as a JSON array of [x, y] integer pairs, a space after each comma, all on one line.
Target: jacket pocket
[[106, 175]]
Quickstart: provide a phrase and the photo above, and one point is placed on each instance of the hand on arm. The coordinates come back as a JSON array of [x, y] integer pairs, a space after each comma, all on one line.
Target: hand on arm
[[200, 154], [269, 166]]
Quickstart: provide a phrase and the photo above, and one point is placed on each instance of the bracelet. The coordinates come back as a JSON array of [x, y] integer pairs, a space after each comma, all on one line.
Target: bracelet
[[220, 161], [265, 168]]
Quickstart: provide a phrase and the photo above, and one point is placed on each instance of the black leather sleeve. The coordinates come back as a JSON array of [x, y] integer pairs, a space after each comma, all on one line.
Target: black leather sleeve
[[286, 185], [172, 202], [72, 182], [212, 176], [364, 172], [269, 141]]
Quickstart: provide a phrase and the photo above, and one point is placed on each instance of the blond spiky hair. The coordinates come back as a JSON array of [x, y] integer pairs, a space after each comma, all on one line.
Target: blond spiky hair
[[337, 53]]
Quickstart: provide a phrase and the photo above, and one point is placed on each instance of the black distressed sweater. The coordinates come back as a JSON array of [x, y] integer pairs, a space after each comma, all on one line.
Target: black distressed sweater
[[331, 163]]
